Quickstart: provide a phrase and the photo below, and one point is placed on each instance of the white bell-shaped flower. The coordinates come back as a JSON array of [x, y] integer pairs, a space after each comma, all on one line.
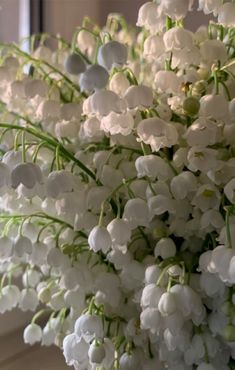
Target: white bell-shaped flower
[[70, 111], [150, 16], [28, 300], [32, 334], [211, 220], [118, 258], [111, 177], [119, 83], [74, 64], [202, 159], [96, 196], [204, 132], [151, 295], [99, 239], [5, 247], [103, 102], [108, 285], [85, 221], [48, 110], [130, 361], [152, 166], [183, 184], [87, 42], [186, 299], [150, 319], [59, 182], [112, 54], [215, 106], [4, 303], [211, 284], [207, 197], [39, 253], [75, 299], [204, 261], [57, 302], [28, 174], [212, 51], [71, 204], [167, 305], [210, 6], [22, 245], [119, 231], [75, 351], [12, 295], [160, 204], [231, 271], [109, 353], [139, 97], [31, 278], [165, 248], [132, 275], [44, 53], [35, 87], [152, 274], [66, 129], [154, 47], [115, 123], [221, 252], [89, 327], [226, 15], [96, 353], [136, 213], [184, 58], [95, 77], [157, 133], [48, 335], [55, 258], [178, 38], [91, 130], [177, 9], [167, 81]]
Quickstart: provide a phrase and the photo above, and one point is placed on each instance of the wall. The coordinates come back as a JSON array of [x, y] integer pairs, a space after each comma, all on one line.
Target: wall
[[62, 16], [9, 20]]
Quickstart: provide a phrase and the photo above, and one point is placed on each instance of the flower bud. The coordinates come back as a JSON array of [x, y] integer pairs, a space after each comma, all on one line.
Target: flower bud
[[191, 106], [96, 353], [44, 295]]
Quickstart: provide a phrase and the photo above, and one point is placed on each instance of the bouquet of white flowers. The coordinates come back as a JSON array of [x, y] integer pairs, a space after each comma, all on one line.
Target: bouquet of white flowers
[[117, 190]]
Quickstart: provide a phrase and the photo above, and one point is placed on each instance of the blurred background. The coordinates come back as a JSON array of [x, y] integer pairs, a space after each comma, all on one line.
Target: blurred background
[[20, 17]]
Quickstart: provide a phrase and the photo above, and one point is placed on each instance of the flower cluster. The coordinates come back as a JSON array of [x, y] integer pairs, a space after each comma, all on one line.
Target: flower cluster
[[117, 190]]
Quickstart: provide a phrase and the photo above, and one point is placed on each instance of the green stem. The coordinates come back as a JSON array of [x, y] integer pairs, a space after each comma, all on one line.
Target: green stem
[[57, 156], [23, 147], [53, 143], [101, 214], [228, 231], [42, 229], [45, 63], [38, 315], [216, 81]]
